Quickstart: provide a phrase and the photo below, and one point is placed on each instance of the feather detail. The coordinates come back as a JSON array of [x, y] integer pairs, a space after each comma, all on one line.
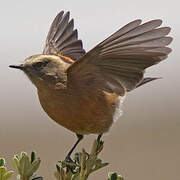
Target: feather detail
[[63, 39], [118, 63]]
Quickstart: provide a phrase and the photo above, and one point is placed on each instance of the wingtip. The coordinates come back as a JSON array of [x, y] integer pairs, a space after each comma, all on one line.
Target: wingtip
[[139, 20], [60, 13], [169, 39], [158, 22], [67, 13], [147, 80]]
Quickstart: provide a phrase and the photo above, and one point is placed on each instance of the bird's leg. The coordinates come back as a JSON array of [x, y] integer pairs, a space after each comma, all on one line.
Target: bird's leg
[[68, 157]]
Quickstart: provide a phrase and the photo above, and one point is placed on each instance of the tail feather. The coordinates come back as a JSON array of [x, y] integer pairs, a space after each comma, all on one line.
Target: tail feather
[[146, 80]]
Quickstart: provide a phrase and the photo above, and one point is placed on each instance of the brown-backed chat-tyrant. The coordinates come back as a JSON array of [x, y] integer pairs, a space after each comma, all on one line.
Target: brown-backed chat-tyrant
[[79, 90]]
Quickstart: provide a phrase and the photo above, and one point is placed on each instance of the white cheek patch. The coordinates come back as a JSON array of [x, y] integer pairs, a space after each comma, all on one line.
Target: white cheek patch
[[118, 112]]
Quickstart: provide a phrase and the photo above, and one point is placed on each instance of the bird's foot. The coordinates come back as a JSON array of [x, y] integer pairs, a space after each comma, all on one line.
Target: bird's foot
[[70, 164], [68, 159]]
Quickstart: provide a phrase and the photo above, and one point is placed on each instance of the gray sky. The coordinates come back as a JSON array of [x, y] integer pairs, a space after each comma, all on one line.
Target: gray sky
[[149, 129]]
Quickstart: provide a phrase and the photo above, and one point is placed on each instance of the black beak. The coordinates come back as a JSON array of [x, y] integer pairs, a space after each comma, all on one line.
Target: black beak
[[21, 66]]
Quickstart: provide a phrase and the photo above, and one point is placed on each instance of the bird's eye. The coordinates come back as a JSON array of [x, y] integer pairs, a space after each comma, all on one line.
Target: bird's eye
[[40, 65]]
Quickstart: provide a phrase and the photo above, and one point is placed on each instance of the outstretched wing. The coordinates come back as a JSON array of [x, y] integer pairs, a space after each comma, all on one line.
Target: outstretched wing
[[117, 64], [62, 39]]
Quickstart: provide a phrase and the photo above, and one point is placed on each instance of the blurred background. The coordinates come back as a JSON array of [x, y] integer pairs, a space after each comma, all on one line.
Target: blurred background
[[144, 144]]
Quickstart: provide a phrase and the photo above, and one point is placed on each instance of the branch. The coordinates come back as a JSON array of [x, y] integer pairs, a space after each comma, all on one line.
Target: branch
[[84, 164]]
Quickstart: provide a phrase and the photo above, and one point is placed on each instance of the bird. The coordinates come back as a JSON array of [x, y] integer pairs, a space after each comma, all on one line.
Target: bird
[[79, 90]]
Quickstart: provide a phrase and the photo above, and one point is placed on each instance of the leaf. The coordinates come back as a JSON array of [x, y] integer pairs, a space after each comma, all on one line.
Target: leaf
[[120, 177], [76, 176], [33, 168], [23, 154], [23, 164], [2, 162], [77, 158], [112, 176], [58, 168], [33, 156], [2, 170], [36, 164], [17, 156], [8, 175], [16, 164]]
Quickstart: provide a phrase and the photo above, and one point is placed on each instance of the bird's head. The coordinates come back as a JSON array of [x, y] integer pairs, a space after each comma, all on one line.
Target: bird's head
[[44, 69]]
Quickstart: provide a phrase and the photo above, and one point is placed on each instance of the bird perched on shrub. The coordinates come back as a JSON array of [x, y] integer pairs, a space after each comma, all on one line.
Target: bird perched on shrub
[[79, 90]]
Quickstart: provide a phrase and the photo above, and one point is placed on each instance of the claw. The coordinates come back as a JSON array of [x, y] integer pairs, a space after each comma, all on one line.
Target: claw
[[68, 159], [70, 167]]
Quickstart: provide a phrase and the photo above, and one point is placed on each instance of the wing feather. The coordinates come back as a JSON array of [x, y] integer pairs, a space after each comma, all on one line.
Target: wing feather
[[62, 39], [118, 63]]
